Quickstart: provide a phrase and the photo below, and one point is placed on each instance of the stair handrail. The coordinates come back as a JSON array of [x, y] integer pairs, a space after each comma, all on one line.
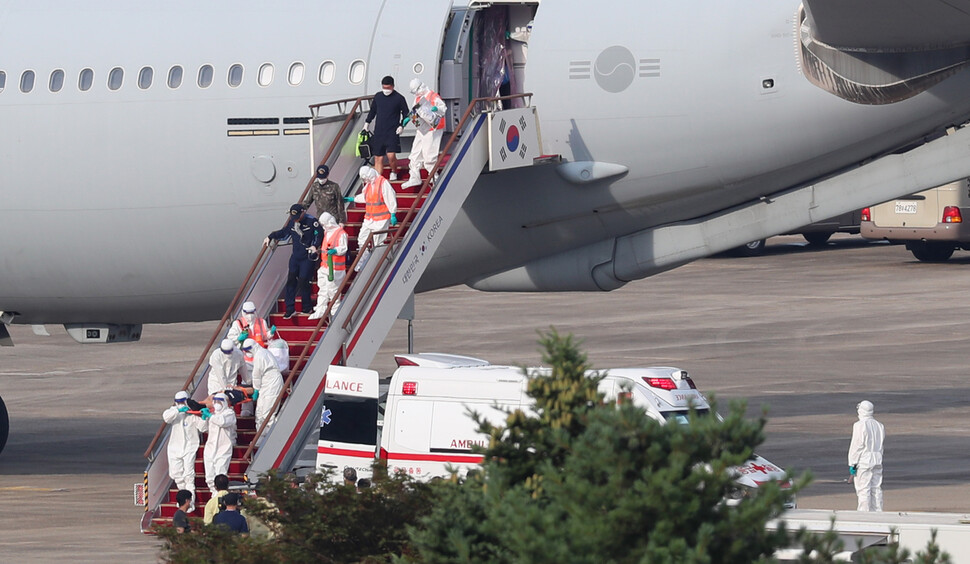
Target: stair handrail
[[315, 109], [396, 234]]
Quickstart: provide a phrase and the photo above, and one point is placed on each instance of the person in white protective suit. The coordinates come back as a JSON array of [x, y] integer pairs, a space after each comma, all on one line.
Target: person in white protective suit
[[248, 326], [225, 363], [428, 118], [333, 265], [280, 350], [865, 458], [183, 442], [267, 383], [222, 436], [380, 205]]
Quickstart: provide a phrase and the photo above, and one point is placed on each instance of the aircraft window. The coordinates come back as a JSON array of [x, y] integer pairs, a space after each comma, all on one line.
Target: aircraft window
[[265, 76], [175, 77], [356, 74], [145, 77], [3, 80], [205, 76], [296, 74], [27, 81], [235, 75], [57, 81], [116, 78], [327, 72], [85, 80]]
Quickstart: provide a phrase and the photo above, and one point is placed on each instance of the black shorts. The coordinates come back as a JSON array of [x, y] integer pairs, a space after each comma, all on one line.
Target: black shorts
[[384, 144]]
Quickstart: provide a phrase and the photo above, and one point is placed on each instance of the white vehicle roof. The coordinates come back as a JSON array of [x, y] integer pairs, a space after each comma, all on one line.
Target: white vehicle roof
[[438, 360]]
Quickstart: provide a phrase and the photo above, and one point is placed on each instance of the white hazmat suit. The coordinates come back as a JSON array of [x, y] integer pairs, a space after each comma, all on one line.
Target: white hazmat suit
[[427, 139], [334, 238], [222, 436], [865, 454], [224, 364], [383, 194], [267, 380], [183, 443]]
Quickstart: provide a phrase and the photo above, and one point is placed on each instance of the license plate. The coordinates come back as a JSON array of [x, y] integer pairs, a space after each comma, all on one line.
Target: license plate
[[906, 207]]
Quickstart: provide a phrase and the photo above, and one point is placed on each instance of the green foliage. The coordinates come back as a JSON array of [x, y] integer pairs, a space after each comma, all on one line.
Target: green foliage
[[316, 521], [582, 481]]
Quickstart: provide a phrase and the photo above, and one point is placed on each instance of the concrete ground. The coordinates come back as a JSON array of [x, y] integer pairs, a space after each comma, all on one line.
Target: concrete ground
[[805, 332]]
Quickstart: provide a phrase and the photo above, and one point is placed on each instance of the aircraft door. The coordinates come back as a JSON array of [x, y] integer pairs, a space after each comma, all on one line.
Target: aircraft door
[[407, 43]]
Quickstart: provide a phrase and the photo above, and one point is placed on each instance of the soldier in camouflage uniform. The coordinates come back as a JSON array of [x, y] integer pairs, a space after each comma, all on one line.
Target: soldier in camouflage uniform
[[325, 194]]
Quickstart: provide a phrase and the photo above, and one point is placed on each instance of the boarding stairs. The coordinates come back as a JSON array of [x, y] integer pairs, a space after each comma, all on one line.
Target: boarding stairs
[[372, 298]]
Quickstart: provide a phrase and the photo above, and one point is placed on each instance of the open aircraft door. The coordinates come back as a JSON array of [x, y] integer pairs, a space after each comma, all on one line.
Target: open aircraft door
[[407, 43]]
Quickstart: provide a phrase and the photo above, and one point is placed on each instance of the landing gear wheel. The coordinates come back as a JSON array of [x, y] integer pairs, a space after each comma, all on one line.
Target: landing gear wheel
[[818, 237], [752, 249], [926, 251], [4, 425]]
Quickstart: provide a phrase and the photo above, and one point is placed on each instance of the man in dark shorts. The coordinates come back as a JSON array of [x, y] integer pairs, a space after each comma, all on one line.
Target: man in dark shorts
[[390, 108]]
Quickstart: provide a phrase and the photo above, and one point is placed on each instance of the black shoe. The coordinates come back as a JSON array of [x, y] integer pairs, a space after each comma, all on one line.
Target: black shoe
[[289, 314]]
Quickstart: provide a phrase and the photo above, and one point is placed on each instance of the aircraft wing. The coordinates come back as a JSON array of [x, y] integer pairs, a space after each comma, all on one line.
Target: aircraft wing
[[890, 25]]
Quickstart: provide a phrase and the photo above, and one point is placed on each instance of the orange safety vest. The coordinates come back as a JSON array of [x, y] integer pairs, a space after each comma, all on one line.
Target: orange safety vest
[[331, 241], [259, 332], [430, 97], [374, 207]]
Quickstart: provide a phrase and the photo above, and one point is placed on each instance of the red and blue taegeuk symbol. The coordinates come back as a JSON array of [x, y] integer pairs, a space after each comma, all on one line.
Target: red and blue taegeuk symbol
[[512, 138]]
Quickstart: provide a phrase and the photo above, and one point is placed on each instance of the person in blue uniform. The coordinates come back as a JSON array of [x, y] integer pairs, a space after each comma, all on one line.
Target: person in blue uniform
[[307, 235], [390, 108]]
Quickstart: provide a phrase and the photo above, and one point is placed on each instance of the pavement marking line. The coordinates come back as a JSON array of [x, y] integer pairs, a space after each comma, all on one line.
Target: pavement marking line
[[52, 373], [31, 489]]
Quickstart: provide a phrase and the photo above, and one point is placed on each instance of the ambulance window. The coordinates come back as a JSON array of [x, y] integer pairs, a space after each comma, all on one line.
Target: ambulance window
[[205, 76], [116, 78], [328, 70], [57, 81], [3, 80], [175, 77], [85, 80], [683, 416], [27, 81], [352, 420]]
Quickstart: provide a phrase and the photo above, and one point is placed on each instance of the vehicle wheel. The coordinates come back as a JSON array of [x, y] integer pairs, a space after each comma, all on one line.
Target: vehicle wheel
[[4, 425], [817, 237], [926, 251], [752, 249]]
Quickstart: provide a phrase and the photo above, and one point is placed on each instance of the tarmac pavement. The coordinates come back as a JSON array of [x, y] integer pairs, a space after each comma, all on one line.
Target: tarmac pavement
[[806, 332]]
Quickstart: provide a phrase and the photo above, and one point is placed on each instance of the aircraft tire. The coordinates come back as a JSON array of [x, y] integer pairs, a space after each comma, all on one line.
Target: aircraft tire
[[4, 425], [927, 251], [752, 249], [817, 237]]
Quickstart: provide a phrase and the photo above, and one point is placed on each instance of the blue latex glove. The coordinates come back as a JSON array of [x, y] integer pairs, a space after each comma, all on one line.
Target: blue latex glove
[[255, 395], [331, 251], [183, 408], [243, 336], [393, 220], [348, 200], [852, 470], [206, 413]]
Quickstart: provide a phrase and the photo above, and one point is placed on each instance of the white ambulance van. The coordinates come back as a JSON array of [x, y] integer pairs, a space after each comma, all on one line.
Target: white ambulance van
[[421, 427]]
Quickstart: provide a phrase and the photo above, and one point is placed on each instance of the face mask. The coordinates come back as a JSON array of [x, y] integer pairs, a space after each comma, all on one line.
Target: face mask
[[387, 91], [219, 405], [249, 317]]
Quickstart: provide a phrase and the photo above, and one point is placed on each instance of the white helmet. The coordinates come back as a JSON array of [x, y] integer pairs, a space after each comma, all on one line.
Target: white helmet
[[865, 408], [416, 85], [327, 220], [249, 307], [248, 345], [226, 346], [181, 395]]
